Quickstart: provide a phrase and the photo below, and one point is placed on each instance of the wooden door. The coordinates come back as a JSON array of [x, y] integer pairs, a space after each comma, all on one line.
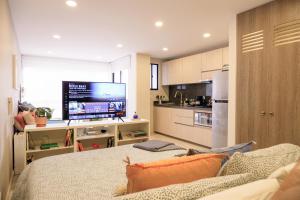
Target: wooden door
[[284, 87], [191, 69], [252, 73]]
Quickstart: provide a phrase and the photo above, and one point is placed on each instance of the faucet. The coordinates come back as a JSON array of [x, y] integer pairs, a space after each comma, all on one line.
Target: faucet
[[181, 102]]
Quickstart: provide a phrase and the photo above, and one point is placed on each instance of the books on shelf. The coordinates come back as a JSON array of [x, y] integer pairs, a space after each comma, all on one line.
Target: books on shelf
[[48, 146], [137, 133]]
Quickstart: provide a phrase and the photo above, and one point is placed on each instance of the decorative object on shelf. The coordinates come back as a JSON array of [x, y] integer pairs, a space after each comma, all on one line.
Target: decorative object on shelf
[[43, 114], [103, 131], [135, 116], [80, 147], [69, 139], [48, 146], [96, 146]]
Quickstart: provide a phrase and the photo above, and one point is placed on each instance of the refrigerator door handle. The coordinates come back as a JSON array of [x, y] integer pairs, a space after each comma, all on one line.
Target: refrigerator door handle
[[220, 100]]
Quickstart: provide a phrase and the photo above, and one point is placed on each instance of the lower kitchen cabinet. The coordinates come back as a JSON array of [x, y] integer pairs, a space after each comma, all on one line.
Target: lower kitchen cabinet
[[178, 123]]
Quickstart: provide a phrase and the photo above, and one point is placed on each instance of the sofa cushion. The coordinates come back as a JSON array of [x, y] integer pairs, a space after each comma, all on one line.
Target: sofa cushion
[[290, 187], [244, 147], [261, 162], [192, 190], [185, 169], [260, 190], [282, 172]]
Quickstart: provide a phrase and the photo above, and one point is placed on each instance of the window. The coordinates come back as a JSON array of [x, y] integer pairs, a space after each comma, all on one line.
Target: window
[[154, 77], [42, 79]]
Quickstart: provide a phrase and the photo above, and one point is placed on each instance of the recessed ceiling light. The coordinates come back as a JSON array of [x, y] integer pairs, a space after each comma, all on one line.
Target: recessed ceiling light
[[55, 36], [119, 45], [71, 3], [206, 35], [165, 49], [159, 24]]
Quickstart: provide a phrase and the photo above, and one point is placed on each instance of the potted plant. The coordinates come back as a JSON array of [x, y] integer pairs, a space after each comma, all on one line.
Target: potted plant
[[42, 116]]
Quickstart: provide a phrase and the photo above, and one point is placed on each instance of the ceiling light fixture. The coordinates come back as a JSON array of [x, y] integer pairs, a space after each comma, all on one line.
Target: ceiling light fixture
[[206, 35], [119, 45], [165, 49], [55, 36], [71, 3], [159, 24]]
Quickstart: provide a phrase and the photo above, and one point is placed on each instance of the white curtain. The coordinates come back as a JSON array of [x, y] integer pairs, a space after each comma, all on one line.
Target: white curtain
[[42, 79]]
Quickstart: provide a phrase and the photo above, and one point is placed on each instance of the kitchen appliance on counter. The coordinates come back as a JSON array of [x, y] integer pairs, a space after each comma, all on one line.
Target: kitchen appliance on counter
[[203, 101], [220, 109]]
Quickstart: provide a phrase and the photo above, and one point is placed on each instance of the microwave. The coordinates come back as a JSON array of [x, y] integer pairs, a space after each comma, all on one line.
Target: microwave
[[203, 118]]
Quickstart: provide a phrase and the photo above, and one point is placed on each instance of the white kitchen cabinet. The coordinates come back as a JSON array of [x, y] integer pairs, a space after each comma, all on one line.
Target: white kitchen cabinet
[[208, 75], [225, 56], [172, 72], [191, 68], [165, 74], [162, 120], [212, 60], [179, 123]]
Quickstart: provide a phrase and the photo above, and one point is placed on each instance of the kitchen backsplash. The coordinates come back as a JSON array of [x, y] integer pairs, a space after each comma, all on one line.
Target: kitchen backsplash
[[190, 91]]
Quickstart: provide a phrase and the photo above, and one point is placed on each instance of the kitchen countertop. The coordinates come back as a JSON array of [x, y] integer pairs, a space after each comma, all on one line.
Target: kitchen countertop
[[171, 105]]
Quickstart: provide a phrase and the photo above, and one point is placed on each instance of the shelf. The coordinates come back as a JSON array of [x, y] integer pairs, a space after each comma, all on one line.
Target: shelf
[[128, 139], [88, 137], [51, 149]]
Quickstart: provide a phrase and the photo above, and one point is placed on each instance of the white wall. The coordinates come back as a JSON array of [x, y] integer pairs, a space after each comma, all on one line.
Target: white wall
[[162, 90], [142, 72], [232, 81], [124, 64], [8, 47], [43, 76]]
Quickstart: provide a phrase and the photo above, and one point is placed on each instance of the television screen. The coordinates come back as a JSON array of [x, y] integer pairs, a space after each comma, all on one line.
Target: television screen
[[90, 100]]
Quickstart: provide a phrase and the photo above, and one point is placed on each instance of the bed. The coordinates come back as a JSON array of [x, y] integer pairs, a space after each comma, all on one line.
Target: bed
[[83, 175]]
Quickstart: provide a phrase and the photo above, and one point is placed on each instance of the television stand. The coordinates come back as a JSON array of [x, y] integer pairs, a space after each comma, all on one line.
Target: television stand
[[120, 118], [69, 122]]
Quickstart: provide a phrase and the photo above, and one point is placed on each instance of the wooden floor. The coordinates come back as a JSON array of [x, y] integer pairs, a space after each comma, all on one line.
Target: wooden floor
[[154, 136]]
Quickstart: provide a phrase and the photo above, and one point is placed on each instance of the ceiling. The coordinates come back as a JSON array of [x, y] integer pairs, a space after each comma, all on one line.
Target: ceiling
[[92, 30]]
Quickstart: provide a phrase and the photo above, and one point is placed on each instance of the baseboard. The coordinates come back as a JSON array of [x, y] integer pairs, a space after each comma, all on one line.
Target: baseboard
[[8, 192]]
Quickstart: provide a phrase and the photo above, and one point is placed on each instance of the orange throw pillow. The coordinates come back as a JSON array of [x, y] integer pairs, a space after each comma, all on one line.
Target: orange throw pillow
[[185, 169]]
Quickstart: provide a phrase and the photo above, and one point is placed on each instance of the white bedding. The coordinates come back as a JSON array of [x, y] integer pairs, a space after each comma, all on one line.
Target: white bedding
[[77, 176]]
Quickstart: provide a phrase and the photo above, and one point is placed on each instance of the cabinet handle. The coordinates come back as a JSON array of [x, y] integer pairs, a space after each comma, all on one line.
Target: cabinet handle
[[262, 113], [271, 113]]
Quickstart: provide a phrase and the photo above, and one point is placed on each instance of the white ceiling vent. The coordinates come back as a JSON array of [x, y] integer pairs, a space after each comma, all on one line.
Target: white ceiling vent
[[253, 41], [287, 33]]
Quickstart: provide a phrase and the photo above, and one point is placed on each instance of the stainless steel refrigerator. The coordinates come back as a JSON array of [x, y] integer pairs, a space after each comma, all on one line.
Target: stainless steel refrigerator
[[220, 109]]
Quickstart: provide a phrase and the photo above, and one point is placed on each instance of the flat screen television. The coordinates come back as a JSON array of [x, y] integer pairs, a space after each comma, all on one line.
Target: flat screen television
[[91, 100]]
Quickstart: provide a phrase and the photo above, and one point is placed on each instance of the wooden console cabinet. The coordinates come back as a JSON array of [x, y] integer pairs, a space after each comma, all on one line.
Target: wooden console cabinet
[[33, 137]]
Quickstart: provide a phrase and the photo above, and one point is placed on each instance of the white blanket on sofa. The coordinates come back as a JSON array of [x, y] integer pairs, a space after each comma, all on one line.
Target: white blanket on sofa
[[84, 175]]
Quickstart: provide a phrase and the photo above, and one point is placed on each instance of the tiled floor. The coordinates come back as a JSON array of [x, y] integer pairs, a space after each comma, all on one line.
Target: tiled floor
[[154, 136]]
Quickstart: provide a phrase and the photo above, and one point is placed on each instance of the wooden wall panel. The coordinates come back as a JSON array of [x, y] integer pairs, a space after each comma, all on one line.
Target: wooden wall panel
[[284, 101], [268, 79], [251, 79]]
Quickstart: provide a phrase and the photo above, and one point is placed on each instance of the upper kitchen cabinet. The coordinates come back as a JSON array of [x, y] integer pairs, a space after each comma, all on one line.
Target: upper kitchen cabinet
[[172, 72], [225, 56], [212, 60], [191, 69]]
